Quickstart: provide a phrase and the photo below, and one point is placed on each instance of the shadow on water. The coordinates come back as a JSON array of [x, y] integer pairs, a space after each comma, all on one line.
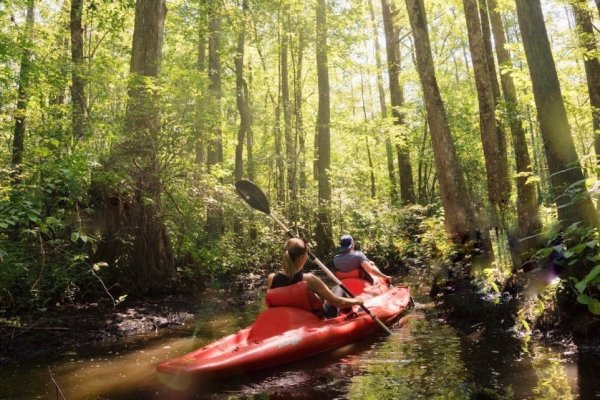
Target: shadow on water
[[426, 358]]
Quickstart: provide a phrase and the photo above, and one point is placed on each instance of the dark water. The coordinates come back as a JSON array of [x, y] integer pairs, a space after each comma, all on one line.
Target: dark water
[[425, 359]]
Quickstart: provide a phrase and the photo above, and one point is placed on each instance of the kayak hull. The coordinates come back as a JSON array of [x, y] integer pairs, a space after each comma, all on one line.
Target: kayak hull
[[284, 334]]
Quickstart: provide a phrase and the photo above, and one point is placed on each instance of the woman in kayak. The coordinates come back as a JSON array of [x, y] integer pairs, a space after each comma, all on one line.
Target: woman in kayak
[[352, 263], [293, 288]]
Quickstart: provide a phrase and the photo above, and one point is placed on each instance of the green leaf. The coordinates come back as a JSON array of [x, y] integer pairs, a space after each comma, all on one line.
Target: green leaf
[[594, 307], [74, 236], [3, 225], [584, 299], [593, 274]]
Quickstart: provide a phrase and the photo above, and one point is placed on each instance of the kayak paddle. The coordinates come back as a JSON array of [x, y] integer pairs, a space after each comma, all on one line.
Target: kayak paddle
[[256, 199]]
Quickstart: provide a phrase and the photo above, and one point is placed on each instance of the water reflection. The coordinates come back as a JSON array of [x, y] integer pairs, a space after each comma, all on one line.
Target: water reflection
[[424, 359]]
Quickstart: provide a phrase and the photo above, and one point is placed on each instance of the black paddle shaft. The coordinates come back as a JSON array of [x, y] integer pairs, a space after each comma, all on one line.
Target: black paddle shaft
[[256, 199]]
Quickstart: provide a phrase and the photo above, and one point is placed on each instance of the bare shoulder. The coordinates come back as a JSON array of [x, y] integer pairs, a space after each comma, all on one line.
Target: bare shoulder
[[270, 280]]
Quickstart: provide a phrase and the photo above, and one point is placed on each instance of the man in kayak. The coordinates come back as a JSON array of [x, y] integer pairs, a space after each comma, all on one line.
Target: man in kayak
[[293, 288], [350, 263]]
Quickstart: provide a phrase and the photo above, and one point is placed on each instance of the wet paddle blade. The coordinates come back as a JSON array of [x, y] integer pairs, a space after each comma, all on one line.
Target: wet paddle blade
[[253, 196]]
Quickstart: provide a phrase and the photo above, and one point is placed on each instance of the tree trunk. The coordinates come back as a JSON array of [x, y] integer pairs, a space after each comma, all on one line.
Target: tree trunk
[[299, 122], [573, 204], [527, 206], [214, 220], [369, 158], [494, 144], [78, 81], [457, 205], [241, 96], [22, 94], [151, 257], [407, 191], [379, 64], [587, 41], [290, 145], [323, 231], [200, 125]]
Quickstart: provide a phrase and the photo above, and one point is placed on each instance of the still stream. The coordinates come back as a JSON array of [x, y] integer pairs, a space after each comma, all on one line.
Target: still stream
[[425, 358]]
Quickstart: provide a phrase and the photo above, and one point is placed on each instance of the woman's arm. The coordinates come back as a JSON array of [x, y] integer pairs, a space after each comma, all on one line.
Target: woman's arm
[[320, 288]]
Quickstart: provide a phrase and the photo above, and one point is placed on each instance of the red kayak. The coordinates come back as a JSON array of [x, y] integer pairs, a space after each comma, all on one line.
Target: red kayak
[[284, 334]]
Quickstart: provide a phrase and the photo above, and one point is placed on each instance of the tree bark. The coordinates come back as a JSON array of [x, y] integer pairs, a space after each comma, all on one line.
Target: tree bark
[[323, 231], [527, 205], [18, 145], [79, 100], [151, 256], [587, 41], [214, 220], [457, 205], [494, 144], [290, 145], [200, 124], [242, 100], [573, 203], [407, 191], [379, 64]]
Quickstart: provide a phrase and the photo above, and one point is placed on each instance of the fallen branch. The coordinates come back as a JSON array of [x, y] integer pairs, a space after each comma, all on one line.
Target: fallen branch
[[58, 390]]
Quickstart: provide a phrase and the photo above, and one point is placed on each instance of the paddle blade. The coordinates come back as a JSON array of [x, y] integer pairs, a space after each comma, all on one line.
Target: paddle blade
[[253, 196]]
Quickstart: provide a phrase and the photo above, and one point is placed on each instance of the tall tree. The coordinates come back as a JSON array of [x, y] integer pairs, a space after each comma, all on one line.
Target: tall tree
[[566, 176], [242, 95], [588, 43], [23, 93], [290, 145], [323, 232], [151, 257], [201, 103], [78, 82], [389, 151], [527, 205], [494, 143], [214, 221], [407, 191], [457, 205]]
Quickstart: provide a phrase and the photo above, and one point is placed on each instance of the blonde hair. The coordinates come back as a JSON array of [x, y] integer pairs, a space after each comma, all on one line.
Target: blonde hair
[[294, 249]]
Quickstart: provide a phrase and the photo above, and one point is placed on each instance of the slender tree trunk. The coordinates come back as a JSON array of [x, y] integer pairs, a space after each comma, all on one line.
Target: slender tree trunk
[[151, 258], [22, 94], [527, 206], [290, 145], [241, 100], [494, 145], [78, 82], [323, 231], [299, 122], [573, 204], [587, 41], [457, 205], [379, 64], [200, 125], [364, 107], [407, 191], [214, 221]]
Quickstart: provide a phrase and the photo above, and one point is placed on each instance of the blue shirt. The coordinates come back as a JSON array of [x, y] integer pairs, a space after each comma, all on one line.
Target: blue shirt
[[349, 260]]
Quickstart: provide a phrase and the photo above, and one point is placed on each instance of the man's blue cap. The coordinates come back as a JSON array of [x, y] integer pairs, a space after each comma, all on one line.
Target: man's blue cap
[[346, 242]]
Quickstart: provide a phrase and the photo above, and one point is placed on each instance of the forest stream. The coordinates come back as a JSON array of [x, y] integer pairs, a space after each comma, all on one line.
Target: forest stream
[[425, 358]]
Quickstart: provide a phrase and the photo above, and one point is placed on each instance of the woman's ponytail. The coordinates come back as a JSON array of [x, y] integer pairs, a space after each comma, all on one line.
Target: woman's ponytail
[[294, 248]]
